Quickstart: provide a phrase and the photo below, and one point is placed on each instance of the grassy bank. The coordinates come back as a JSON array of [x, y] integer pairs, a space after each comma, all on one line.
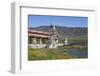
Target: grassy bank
[[46, 54], [51, 54]]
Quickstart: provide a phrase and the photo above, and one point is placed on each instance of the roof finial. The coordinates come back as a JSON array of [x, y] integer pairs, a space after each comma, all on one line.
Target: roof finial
[[54, 27]]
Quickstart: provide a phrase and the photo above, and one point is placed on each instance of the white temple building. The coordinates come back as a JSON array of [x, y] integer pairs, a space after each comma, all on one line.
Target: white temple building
[[40, 39]]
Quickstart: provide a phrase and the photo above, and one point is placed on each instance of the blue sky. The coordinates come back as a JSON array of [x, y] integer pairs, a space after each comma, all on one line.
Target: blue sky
[[68, 21]]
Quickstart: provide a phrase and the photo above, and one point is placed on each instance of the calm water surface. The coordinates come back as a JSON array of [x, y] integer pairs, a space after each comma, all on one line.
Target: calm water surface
[[78, 53]]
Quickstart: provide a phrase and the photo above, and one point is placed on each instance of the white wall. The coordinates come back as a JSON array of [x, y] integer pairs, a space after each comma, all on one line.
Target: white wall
[[5, 23]]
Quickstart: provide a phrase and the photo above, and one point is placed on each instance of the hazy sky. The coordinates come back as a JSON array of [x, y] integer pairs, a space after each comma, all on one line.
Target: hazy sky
[[68, 21]]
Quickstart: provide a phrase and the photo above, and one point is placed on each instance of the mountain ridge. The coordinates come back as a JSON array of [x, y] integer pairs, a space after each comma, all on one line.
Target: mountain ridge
[[64, 31]]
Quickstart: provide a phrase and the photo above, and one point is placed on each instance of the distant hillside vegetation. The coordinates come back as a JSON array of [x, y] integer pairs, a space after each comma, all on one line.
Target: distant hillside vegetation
[[64, 31]]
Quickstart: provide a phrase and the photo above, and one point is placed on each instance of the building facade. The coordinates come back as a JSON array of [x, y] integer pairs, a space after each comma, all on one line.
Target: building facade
[[37, 39], [40, 39]]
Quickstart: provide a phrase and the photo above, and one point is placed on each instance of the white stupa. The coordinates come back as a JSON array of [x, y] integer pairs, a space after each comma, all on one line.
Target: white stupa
[[66, 41], [53, 40]]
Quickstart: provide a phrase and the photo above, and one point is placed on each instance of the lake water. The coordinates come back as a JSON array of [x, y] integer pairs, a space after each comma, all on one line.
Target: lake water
[[78, 53]]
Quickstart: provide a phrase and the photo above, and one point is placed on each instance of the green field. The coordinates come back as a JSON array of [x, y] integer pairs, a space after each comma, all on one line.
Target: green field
[[52, 54], [79, 40], [46, 54]]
